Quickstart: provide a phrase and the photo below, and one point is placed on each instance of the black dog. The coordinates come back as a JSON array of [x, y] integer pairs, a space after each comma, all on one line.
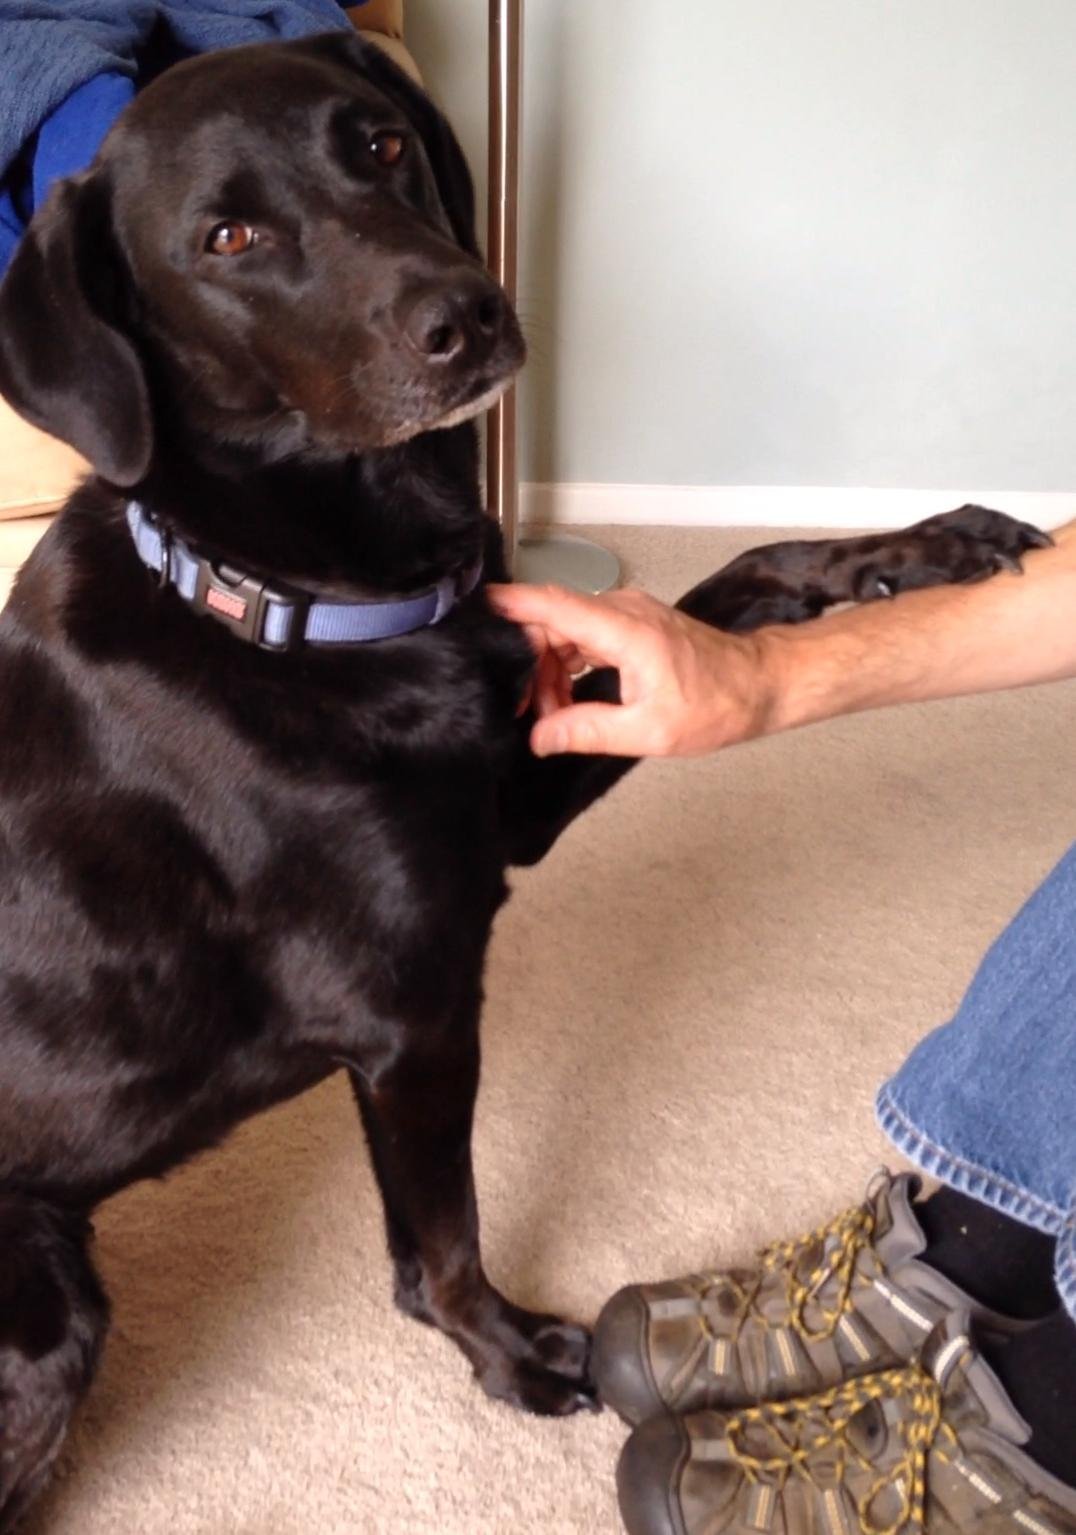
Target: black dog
[[234, 862]]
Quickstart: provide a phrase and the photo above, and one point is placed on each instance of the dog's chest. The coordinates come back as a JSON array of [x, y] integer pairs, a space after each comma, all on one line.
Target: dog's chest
[[215, 890], [166, 970]]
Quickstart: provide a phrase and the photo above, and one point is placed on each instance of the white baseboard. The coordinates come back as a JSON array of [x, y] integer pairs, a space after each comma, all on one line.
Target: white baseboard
[[775, 506]]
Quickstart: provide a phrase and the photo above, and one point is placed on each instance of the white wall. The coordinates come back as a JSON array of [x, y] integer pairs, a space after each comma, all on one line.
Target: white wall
[[791, 242]]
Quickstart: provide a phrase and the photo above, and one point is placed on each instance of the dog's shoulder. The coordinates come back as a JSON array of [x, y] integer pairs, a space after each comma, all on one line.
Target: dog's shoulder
[[131, 723], [84, 605]]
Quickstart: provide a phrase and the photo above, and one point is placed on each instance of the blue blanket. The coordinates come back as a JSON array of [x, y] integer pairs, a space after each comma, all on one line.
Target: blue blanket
[[68, 68]]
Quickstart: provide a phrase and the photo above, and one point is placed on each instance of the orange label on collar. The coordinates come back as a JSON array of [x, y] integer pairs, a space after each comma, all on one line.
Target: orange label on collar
[[224, 602]]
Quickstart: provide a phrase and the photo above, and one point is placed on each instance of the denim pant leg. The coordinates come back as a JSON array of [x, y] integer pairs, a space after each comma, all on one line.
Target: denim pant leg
[[987, 1103]]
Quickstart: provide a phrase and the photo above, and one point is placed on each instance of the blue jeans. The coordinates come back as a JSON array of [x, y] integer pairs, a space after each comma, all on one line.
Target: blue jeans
[[987, 1103]]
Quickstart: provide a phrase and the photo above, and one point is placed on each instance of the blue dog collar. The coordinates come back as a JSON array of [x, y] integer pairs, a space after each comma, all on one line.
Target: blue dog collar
[[278, 617]]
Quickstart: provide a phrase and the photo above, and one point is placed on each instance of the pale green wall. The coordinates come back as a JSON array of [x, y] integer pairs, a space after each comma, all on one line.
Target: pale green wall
[[806, 242]]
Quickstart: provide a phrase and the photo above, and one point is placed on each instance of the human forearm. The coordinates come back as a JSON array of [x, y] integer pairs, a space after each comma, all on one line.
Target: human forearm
[[1007, 632]]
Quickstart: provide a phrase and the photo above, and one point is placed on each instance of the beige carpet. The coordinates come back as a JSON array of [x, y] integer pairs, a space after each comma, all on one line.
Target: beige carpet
[[690, 1005]]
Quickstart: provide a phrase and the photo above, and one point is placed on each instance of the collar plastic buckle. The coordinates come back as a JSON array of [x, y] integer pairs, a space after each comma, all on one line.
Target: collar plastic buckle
[[242, 603]]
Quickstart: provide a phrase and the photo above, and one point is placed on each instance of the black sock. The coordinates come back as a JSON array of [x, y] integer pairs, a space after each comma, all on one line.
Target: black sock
[[998, 1261], [1037, 1369]]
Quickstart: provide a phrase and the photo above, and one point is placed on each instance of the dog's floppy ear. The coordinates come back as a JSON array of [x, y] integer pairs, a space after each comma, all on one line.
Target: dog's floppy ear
[[64, 364], [442, 147]]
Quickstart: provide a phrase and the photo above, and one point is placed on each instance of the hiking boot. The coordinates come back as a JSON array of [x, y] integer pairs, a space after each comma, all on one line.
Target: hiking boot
[[928, 1448], [849, 1299]]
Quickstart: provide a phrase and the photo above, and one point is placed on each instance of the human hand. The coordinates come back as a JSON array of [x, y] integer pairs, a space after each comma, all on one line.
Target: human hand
[[685, 689]]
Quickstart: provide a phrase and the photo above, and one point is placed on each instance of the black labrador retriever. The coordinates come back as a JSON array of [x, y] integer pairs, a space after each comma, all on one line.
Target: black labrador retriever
[[262, 763]]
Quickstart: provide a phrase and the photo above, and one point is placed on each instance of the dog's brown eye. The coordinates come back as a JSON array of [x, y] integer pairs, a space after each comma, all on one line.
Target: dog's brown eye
[[230, 239], [388, 148]]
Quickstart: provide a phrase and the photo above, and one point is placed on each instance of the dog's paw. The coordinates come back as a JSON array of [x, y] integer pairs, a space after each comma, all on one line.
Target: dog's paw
[[985, 541], [563, 1348], [547, 1372], [532, 1388], [956, 547]]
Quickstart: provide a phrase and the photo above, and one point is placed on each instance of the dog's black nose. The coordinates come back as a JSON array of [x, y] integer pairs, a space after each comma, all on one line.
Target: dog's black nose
[[464, 320]]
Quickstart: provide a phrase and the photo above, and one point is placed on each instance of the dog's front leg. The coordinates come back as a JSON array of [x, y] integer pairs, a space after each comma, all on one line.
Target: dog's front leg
[[417, 1114], [788, 582]]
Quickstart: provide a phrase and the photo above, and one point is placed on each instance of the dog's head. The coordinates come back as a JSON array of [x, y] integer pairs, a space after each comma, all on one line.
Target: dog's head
[[275, 248]]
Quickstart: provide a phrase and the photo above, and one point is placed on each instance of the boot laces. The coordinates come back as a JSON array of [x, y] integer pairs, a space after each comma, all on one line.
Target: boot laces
[[840, 1242], [796, 1432]]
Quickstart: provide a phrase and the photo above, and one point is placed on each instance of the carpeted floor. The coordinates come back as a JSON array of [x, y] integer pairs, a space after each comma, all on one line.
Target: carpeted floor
[[690, 1005]]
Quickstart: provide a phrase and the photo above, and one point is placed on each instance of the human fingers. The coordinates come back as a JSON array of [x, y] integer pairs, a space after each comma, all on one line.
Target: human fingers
[[601, 630], [552, 684], [610, 729]]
